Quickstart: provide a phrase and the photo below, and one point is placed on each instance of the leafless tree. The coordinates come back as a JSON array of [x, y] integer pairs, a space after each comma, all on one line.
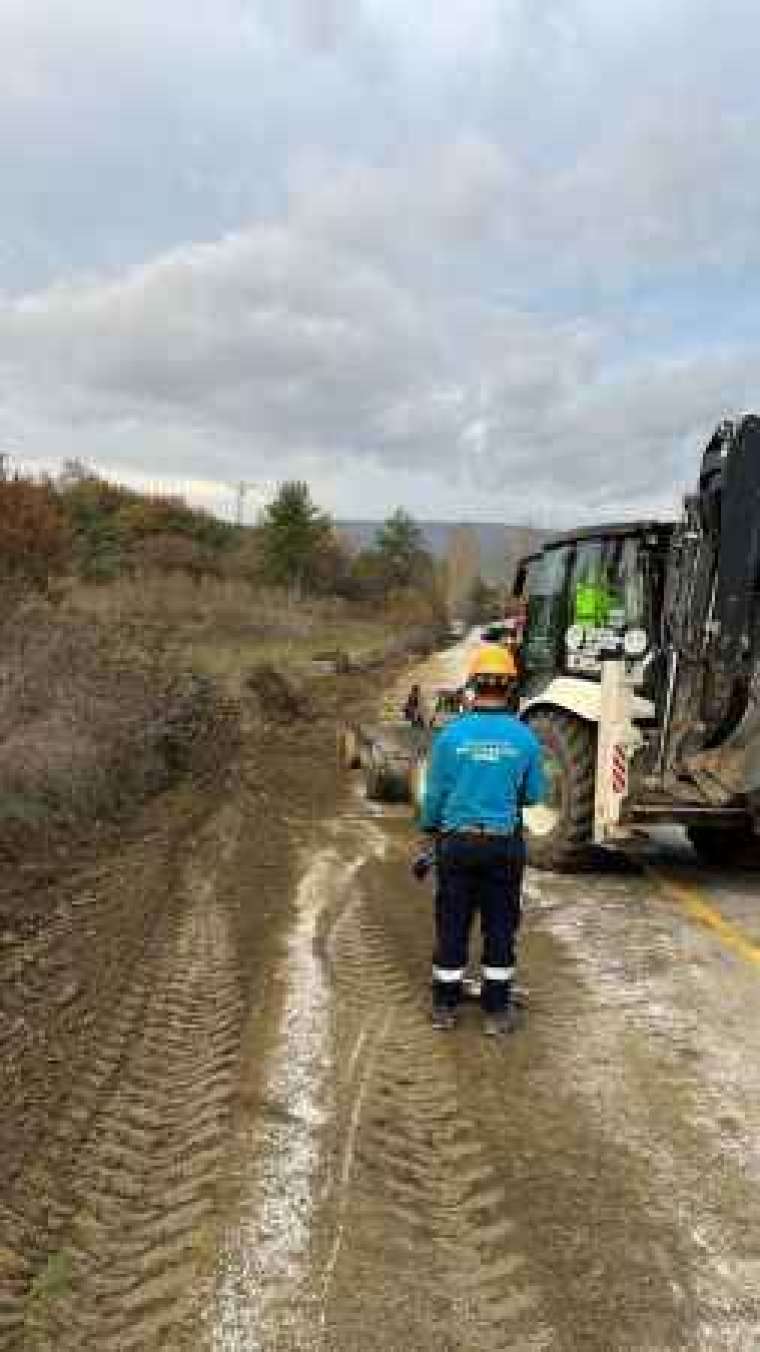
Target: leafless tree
[[462, 567]]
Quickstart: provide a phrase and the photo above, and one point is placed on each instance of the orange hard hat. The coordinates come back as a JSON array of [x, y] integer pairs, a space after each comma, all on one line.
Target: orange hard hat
[[492, 663]]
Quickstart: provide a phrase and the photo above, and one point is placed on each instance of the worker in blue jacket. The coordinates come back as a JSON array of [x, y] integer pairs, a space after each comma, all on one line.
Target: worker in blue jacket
[[484, 767]]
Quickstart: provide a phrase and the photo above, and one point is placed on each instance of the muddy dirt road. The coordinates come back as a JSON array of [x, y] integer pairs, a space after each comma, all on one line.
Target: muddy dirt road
[[248, 1137]]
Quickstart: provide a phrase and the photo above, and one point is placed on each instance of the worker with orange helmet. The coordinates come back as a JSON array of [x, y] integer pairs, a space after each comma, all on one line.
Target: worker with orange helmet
[[484, 767]]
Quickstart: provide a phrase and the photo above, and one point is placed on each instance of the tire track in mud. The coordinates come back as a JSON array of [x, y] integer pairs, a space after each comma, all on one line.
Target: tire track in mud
[[375, 1217], [151, 1110], [264, 1296], [47, 1009], [424, 1253], [50, 1016]]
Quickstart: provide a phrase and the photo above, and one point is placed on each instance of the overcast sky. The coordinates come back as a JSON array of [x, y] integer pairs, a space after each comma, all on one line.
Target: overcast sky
[[490, 259]]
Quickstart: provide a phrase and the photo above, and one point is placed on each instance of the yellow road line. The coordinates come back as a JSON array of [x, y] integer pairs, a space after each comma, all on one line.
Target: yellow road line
[[693, 902]]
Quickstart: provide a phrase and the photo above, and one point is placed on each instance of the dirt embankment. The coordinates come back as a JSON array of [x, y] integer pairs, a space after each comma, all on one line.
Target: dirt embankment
[[94, 721], [128, 968]]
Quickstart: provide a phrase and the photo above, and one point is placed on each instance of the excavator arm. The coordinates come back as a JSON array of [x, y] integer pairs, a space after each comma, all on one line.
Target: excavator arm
[[711, 625]]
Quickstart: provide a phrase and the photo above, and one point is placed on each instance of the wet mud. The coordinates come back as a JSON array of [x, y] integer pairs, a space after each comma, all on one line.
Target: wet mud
[[228, 1123]]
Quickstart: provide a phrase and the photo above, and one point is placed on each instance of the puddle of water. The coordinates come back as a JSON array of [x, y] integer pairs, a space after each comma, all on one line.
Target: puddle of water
[[264, 1295]]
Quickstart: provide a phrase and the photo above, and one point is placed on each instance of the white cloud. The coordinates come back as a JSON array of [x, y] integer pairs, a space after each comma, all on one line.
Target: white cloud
[[446, 246], [452, 194], [272, 353], [322, 24]]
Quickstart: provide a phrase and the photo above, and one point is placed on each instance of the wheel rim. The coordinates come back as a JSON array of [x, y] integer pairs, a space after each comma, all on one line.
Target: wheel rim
[[542, 819]]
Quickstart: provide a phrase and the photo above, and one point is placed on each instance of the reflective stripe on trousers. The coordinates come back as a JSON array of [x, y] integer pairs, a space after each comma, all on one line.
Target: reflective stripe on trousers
[[448, 975], [497, 973]]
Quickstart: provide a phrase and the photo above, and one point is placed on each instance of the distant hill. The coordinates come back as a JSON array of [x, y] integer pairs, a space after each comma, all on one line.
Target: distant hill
[[500, 544]]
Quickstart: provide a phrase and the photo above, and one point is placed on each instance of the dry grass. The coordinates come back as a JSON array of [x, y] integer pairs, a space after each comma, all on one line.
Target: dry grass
[[108, 698], [226, 626], [175, 599], [91, 723]]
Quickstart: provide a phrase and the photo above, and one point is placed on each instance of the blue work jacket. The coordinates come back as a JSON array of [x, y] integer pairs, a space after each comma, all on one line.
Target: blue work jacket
[[483, 768]]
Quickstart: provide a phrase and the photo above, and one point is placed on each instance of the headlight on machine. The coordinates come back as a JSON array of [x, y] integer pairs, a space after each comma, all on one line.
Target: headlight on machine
[[635, 644]]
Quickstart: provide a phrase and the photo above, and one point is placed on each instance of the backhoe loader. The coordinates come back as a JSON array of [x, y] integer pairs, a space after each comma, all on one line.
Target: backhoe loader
[[641, 669], [640, 673]]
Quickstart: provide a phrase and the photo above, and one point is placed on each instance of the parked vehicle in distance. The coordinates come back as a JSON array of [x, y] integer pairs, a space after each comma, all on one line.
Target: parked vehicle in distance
[[502, 631]]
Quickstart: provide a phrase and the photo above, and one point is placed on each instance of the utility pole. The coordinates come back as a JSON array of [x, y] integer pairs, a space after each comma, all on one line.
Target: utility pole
[[242, 489]]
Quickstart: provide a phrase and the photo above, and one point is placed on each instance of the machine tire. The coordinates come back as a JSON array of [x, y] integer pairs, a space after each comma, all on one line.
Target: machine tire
[[384, 783], [725, 846], [570, 744], [374, 783]]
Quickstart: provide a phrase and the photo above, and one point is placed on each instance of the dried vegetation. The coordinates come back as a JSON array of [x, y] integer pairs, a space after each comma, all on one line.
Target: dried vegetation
[[123, 619], [94, 721]]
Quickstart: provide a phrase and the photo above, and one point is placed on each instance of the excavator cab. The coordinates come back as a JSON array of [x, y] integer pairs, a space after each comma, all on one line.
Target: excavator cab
[[583, 591], [587, 594]]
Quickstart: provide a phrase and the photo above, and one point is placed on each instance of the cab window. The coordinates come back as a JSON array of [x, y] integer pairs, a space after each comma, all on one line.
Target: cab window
[[606, 584], [546, 613]]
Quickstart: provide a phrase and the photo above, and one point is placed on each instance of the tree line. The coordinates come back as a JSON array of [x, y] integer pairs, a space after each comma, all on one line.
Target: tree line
[[80, 524]]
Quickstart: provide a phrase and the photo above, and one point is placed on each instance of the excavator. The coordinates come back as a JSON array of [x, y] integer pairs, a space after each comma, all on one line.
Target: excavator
[[641, 670], [640, 674]]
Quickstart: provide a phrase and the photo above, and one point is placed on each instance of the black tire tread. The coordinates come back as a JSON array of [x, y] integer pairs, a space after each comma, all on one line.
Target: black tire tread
[[725, 846], [386, 784], [567, 847]]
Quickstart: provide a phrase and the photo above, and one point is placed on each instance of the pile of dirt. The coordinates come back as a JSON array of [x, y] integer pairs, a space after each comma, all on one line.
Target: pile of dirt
[[278, 697]]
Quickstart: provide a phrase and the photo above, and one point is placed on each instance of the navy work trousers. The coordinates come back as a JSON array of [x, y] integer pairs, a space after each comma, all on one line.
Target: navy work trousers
[[477, 875]]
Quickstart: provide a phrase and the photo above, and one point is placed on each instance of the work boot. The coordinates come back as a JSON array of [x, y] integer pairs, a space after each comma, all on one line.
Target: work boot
[[500, 1023], [443, 1019], [472, 989]]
